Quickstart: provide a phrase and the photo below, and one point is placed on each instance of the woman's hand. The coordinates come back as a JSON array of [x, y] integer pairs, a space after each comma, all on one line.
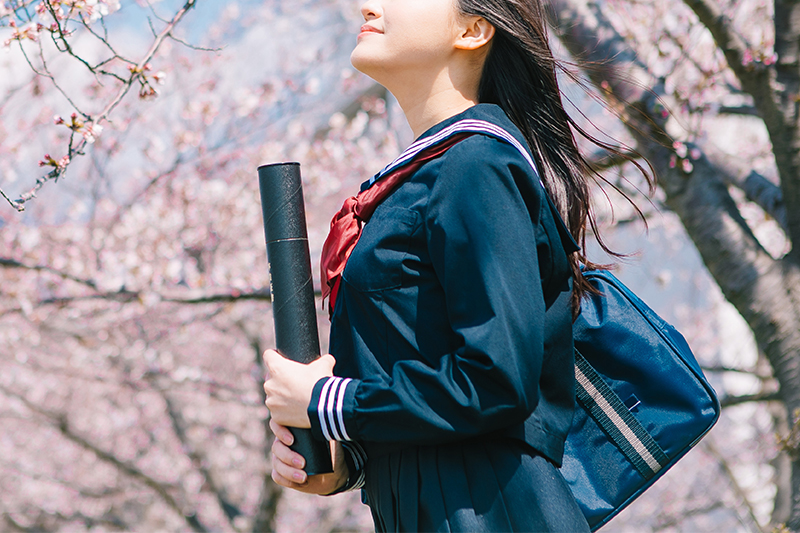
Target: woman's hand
[[287, 465], [289, 385]]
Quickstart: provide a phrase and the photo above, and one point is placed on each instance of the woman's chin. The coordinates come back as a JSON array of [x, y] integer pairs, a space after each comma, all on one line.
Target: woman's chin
[[368, 58], [361, 61]]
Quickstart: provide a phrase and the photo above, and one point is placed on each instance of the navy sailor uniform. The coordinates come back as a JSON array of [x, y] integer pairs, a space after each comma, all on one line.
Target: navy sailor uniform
[[452, 333]]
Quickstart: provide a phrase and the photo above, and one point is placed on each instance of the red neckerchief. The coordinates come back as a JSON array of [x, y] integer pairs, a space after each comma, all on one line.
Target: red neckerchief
[[348, 223]]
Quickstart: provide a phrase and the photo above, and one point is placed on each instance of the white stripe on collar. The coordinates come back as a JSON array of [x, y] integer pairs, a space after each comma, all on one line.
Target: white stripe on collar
[[467, 125]]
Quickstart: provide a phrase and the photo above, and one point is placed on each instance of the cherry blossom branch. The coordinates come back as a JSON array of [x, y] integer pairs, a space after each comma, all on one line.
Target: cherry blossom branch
[[672, 522], [772, 79], [758, 189], [271, 493], [748, 66], [28, 472], [103, 39], [59, 35], [12, 263], [231, 297], [766, 195], [191, 46], [729, 401], [678, 41], [722, 368], [113, 522], [743, 110], [199, 461], [15, 6], [710, 447], [176, 163], [604, 160], [137, 73], [61, 423], [5, 196], [127, 296], [90, 127], [45, 73], [214, 388]]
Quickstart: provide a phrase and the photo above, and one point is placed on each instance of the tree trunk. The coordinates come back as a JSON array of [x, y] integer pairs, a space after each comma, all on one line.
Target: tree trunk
[[264, 521], [765, 291], [786, 140]]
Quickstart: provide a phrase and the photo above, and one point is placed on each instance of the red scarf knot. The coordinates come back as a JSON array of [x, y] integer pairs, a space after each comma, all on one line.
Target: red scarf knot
[[348, 223]]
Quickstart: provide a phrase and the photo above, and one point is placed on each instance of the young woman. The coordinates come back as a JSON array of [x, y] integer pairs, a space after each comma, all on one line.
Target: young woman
[[452, 320]]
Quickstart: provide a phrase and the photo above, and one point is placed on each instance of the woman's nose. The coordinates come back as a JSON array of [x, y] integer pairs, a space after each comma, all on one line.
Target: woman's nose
[[369, 10]]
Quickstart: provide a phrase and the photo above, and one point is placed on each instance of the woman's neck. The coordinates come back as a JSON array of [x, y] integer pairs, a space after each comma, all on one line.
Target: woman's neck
[[427, 104], [425, 114]]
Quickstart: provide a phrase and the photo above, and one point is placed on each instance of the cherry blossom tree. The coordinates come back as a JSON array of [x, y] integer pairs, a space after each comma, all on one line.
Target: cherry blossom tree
[[675, 73], [134, 300]]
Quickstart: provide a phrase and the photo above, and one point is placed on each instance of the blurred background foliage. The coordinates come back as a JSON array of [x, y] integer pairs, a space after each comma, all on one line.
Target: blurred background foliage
[[134, 295]]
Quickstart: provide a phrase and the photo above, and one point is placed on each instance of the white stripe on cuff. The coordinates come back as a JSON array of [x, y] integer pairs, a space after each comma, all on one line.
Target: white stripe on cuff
[[360, 481], [340, 410], [321, 409], [330, 409], [331, 405]]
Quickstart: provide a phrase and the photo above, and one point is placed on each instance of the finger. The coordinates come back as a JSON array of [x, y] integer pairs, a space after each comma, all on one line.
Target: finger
[[269, 357], [292, 475], [281, 432], [288, 456], [284, 482], [287, 471]]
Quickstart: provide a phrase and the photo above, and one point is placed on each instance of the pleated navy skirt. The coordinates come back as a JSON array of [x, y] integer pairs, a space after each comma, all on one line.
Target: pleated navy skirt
[[494, 486]]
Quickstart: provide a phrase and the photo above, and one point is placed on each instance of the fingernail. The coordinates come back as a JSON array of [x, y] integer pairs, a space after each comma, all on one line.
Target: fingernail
[[298, 476], [298, 463]]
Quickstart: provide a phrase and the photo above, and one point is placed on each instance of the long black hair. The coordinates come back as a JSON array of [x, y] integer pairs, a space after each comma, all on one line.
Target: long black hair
[[519, 75]]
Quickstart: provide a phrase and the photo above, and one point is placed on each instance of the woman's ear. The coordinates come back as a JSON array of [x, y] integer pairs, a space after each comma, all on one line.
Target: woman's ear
[[476, 32]]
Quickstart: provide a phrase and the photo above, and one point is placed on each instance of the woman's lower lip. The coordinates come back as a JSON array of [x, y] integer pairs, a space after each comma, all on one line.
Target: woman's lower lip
[[363, 33]]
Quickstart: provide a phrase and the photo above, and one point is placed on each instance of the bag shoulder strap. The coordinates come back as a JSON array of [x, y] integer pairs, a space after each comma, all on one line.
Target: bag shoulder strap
[[614, 417]]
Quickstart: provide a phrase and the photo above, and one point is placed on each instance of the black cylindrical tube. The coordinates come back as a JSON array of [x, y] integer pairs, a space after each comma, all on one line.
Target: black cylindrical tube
[[291, 286]]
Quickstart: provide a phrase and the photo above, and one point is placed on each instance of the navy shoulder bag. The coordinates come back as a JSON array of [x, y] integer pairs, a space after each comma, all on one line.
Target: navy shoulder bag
[[642, 401]]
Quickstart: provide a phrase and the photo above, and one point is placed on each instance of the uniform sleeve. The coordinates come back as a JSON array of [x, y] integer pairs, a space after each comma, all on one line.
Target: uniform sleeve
[[481, 226], [356, 459]]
